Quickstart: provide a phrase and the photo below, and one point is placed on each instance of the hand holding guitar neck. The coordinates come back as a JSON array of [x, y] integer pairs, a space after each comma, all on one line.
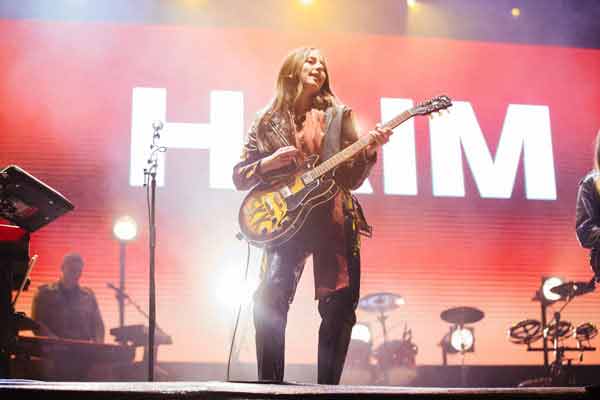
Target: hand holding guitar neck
[[379, 136]]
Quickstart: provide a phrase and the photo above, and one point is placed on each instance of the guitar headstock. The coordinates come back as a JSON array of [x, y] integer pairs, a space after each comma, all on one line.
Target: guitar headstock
[[432, 105]]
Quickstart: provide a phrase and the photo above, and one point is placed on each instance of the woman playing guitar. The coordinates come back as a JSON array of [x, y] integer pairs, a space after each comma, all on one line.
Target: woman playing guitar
[[306, 119]]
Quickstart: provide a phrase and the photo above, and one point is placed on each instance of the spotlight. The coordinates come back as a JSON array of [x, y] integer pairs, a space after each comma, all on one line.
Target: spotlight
[[232, 290], [515, 12], [547, 284], [411, 3], [125, 229], [462, 339], [306, 2], [358, 359], [361, 333]]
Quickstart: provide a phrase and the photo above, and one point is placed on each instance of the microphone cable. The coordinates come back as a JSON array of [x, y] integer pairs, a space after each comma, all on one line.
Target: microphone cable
[[237, 318]]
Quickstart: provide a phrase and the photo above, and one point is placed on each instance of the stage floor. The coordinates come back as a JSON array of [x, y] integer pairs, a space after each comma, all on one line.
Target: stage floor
[[14, 389]]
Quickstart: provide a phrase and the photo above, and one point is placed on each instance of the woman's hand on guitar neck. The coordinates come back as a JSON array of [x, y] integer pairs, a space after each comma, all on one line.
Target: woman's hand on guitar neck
[[379, 137], [279, 159]]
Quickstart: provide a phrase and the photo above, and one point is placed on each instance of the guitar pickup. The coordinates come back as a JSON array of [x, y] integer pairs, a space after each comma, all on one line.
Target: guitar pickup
[[306, 179]]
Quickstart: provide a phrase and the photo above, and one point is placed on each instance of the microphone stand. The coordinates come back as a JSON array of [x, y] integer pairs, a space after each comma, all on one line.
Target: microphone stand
[[150, 179], [122, 295]]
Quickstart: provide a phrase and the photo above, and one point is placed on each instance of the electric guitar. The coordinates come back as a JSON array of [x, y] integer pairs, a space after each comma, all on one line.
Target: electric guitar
[[272, 213]]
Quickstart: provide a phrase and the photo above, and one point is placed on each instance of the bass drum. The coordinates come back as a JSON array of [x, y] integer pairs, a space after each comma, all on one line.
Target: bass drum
[[358, 368], [396, 362]]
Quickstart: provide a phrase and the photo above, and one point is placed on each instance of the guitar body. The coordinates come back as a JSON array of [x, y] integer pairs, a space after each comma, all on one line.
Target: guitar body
[[271, 214]]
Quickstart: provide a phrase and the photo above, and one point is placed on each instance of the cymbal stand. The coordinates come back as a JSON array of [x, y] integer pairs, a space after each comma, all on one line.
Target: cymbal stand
[[559, 373], [382, 318]]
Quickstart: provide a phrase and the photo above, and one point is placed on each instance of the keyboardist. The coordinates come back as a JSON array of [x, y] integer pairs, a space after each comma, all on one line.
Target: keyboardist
[[65, 309]]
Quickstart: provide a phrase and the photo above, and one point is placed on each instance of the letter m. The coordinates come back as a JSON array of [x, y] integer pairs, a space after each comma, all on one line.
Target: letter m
[[526, 130]]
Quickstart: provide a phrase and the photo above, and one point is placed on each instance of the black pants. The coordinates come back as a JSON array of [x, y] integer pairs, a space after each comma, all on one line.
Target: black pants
[[284, 266]]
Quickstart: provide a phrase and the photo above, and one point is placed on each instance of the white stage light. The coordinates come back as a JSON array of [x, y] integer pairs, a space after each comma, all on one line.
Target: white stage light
[[125, 229], [462, 339], [549, 283], [362, 333]]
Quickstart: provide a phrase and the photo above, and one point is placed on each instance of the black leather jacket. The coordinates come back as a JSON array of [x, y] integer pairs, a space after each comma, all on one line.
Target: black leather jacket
[[587, 213]]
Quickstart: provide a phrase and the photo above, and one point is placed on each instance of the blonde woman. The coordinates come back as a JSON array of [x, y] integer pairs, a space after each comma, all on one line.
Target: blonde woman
[[305, 118]]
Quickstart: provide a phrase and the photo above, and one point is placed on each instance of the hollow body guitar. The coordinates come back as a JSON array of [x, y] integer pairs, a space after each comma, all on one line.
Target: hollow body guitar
[[272, 213]]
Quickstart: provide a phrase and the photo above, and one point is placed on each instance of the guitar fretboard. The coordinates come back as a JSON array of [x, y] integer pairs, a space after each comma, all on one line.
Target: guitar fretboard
[[354, 148]]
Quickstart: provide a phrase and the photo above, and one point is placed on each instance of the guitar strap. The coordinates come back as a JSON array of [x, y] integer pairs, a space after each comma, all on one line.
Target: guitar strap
[[333, 132], [332, 143]]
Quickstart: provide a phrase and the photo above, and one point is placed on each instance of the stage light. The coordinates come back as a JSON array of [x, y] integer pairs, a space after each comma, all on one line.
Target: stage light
[[547, 284], [515, 12], [232, 290], [361, 333], [411, 3], [462, 339], [459, 340], [125, 229], [306, 2]]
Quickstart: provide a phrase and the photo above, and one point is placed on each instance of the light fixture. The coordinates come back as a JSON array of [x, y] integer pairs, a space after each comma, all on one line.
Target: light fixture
[[459, 340], [462, 339], [232, 290], [359, 356], [515, 12], [549, 283], [361, 333], [125, 229]]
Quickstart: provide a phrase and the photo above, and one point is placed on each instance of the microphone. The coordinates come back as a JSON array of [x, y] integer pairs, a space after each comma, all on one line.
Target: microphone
[[157, 125]]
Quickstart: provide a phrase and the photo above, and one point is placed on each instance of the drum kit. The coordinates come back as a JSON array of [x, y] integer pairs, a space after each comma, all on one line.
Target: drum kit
[[556, 334], [393, 362]]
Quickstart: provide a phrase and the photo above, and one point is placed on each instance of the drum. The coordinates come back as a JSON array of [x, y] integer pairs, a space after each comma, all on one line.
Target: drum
[[586, 332], [358, 369], [396, 362], [525, 332]]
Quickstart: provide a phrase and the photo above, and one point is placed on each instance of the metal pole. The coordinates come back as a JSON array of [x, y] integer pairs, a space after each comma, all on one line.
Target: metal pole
[[152, 286], [544, 326], [121, 297]]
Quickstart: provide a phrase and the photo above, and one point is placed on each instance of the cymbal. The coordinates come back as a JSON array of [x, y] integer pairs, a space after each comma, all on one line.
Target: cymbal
[[380, 302], [574, 288], [462, 315]]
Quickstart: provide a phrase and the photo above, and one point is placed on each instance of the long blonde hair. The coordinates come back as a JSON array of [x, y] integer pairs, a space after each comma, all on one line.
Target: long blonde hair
[[597, 153], [289, 85]]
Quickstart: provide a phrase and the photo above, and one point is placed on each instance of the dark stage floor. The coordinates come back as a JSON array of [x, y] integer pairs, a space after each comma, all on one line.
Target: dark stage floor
[[223, 390]]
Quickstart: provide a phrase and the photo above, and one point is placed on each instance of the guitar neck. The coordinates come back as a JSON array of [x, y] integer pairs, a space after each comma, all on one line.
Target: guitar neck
[[355, 147]]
